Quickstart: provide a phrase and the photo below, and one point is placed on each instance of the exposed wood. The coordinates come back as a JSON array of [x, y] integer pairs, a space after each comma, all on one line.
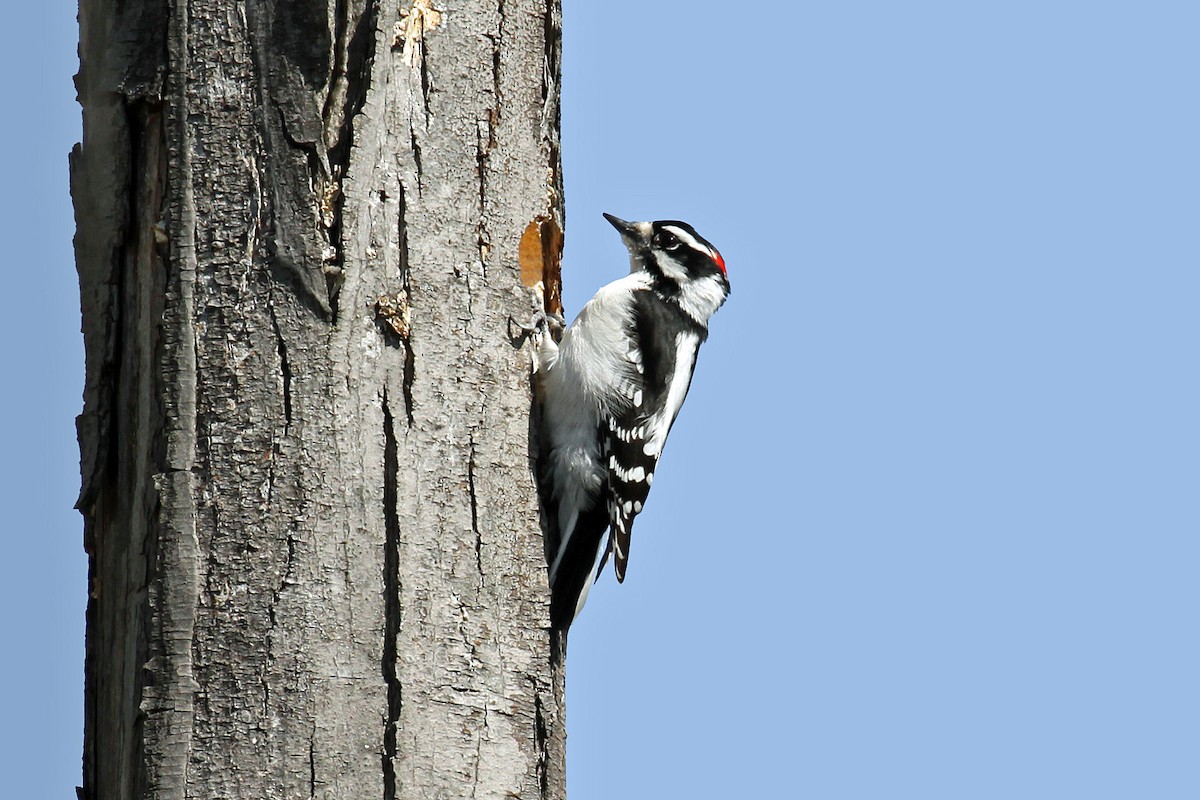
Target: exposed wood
[[317, 568]]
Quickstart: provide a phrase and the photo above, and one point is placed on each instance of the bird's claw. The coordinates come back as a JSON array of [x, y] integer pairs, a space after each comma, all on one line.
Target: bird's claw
[[540, 322]]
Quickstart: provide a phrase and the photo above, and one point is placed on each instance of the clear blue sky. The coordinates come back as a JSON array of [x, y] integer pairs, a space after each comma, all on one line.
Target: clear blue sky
[[928, 525]]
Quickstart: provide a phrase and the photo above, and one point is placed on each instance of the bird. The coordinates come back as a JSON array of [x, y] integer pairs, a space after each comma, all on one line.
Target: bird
[[610, 389]]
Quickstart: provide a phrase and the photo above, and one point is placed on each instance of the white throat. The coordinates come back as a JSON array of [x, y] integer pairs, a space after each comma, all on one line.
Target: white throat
[[701, 298]]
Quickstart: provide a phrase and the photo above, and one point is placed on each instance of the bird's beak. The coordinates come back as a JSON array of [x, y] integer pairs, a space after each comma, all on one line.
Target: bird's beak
[[628, 230]]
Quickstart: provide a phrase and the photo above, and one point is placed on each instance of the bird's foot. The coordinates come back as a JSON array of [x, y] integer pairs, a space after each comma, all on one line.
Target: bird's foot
[[540, 322]]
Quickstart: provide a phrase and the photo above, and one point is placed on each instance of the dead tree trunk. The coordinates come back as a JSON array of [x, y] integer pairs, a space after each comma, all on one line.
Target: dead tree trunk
[[316, 560]]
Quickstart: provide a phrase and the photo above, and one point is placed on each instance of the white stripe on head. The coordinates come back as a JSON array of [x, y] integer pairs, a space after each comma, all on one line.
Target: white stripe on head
[[690, 240]]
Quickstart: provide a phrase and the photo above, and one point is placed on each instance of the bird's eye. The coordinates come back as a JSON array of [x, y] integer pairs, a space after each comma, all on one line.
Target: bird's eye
[[668, 241]]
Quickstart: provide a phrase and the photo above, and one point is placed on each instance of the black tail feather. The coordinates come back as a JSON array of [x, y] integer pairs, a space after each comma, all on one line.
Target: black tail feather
[[576, 568]]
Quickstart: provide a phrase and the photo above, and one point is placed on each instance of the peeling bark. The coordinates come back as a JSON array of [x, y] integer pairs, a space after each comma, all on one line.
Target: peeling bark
[[316, 566]]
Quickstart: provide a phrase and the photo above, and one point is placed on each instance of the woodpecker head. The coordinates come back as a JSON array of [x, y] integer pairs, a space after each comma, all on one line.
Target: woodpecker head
[[685, 265]]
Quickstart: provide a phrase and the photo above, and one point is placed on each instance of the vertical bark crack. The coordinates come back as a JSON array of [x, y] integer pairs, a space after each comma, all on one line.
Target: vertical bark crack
[[391, 588], [276, 593], [475, 511], [410, 366], [485, 140], [479, 752], [410, 374], [551, 105], [354, 57], [483, 145], [541, 742], [285, 371], [496, 52], [285, 579], [402, 235], [312, 765], [424, 83], [416, 151], [284, 367]]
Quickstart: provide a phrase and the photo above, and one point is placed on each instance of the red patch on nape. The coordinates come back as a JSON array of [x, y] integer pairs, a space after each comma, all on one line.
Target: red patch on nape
[[720, 261]]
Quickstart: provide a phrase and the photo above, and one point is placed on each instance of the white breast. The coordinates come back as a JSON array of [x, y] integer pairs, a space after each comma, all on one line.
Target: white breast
[[594, 350]]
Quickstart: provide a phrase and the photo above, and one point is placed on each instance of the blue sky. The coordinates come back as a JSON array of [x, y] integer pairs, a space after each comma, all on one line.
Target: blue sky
[[927, 526]]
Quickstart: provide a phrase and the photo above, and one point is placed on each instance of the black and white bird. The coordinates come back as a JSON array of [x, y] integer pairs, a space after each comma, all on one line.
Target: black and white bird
[[611, 389]]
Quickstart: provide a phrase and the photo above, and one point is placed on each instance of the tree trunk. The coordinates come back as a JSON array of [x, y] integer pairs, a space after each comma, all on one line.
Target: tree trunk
[[317, 567]]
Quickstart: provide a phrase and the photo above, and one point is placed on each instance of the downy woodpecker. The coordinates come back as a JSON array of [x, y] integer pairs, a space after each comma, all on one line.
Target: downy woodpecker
[[611, 389]]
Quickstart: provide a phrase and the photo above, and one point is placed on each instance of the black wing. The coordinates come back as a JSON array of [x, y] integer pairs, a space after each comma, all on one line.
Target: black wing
[[663, 357]]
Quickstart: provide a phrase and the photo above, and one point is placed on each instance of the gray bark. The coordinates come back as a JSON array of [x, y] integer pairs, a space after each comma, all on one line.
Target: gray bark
[[316, 564]]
